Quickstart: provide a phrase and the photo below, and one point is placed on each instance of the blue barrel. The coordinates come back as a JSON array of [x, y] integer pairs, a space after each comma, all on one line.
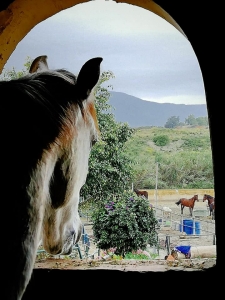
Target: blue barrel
[[197, 227], [187, 226]]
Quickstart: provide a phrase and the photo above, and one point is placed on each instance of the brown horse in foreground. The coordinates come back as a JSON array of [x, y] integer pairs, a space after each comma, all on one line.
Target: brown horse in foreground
[[141, 193], [211, 204], [188, 203]]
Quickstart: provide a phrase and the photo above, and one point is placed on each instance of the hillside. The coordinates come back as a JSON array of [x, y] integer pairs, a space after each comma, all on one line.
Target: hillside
[[138, 113], [184, 162]]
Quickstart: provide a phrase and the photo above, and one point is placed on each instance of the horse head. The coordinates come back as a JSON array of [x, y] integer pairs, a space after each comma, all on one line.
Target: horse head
[[70, 151], [204, 198], [54, 120], [196, 198]]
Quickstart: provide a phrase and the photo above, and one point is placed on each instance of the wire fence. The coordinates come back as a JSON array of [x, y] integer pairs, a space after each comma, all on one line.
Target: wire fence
[[192, 228], [175, 229]]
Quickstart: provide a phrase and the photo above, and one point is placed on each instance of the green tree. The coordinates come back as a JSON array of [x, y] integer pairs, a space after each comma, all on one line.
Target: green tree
[[110, 170], [172, 122], [190, 120], [202, 121], [125, 223]]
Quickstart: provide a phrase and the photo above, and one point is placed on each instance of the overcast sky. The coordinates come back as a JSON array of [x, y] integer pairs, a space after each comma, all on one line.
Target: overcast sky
[[149, 57]]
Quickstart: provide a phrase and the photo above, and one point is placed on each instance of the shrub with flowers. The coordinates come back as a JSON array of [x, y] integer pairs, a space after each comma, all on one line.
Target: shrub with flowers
[[126, 223]]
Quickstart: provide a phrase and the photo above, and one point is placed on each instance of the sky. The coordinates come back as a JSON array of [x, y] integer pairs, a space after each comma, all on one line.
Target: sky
[[149, 58]]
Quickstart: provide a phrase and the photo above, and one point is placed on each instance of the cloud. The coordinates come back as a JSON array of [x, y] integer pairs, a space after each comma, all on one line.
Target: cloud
[[148, 56]]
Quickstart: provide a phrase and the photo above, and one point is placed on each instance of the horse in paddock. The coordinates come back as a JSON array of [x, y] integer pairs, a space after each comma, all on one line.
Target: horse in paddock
[[210, 200], [47, 132], [188, 203], [141, 193]]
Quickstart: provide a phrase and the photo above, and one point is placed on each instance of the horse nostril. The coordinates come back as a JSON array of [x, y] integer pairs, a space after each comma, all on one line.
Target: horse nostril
[[72, 232]]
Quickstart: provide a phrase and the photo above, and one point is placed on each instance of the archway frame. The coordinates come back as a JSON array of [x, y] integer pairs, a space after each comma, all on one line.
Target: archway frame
[[21, 16]]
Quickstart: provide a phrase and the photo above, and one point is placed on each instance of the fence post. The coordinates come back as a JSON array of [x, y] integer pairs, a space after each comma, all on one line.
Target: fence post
[[158, 244], [78, 248], [168, 244], [181, 223], [194, 229]]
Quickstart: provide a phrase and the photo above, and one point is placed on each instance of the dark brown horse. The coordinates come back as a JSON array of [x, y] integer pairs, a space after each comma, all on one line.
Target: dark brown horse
[[188, 203], [211, 204], [141, 193]]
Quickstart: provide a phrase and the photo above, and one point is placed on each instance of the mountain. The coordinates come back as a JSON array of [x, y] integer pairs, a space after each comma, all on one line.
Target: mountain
[[140, 113]]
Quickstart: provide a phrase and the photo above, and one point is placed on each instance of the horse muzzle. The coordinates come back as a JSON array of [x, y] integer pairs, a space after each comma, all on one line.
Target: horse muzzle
[[71, 241]]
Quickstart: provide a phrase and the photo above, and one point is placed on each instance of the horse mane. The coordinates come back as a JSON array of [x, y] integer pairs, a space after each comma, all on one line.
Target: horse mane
[[208, 196], [40, 102], [42, 94]]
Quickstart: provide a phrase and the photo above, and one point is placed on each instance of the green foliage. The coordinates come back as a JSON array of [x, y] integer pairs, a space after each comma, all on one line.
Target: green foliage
[[161, 140], [13, 74], [110, 170], [190, 169], [195, 143], [172, 122], [190, 120], [186, 162], [200, 121], [125, 223], [140, 254]]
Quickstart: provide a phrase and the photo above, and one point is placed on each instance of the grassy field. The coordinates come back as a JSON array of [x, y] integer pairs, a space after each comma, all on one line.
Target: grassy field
[[185, 161]]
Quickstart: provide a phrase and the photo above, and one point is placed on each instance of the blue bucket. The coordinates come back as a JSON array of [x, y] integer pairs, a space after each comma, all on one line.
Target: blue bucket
[[187, 226], [197, 227]]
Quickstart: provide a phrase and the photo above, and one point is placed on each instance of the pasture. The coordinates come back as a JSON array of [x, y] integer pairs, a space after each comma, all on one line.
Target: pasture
[[185, 162]]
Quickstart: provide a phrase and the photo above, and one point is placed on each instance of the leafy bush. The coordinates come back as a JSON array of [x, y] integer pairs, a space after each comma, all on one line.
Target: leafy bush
[[161, 140], [126, 223], [195, 143]]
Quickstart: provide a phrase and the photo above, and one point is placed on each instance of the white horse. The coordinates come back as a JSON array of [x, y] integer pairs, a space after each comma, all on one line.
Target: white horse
[[48, 126]]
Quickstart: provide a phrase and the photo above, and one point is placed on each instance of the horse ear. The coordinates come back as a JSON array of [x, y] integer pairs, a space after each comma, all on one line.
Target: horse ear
[[39, 64], [88, 77]]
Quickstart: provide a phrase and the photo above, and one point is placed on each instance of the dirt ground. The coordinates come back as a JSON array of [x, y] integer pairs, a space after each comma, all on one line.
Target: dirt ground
[[170, 235], [171, 224]]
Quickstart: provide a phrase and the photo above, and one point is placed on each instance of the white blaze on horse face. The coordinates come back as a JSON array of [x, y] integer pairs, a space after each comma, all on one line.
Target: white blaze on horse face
[[62, 226]]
